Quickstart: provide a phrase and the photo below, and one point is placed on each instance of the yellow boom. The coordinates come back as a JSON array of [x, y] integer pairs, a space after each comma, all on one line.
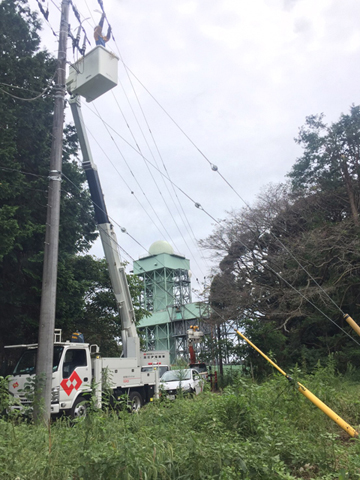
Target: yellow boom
[[352, 323], [330, 413]]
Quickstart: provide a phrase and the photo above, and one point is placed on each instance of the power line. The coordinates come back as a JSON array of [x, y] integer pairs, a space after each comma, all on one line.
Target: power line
[[196, 204], [21, 171], [160, 192], [186, 223], [57, 6], [28, 99], [215, 169], [268, 265], [138, 147], [132, 192], [162, 177], [152, 176], [107, 127], [111, 241]]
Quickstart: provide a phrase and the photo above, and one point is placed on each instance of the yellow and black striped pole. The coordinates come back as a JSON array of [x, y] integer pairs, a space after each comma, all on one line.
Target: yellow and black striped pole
[[330, 413]]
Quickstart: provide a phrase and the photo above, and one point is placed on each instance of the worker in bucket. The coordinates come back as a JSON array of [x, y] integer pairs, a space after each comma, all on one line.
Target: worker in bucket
[[99, 38]]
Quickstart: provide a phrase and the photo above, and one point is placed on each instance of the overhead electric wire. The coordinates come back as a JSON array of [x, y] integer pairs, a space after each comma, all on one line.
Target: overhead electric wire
[[215, 168], [286, 249], [147, 166], [112, 163], [28, 99], [123, 179], [166, 113], [22, 172], [162, 177], [268, 265], [191, 233], [166, 204], [19, 88], [265, 265], [112, 241], [92, 18], [57, 6], [196, 204], [132, 173], [46, 15], [97, 206]]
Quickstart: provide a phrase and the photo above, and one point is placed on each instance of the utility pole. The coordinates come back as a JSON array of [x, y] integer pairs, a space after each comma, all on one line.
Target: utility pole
[[42, 400]]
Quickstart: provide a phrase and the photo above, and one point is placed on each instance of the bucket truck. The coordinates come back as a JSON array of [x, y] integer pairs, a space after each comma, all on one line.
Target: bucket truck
[[78, 368]]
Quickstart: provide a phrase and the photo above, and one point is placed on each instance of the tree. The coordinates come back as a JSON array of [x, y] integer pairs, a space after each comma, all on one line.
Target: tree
[[288, 265], [26, 76], [330, 161]]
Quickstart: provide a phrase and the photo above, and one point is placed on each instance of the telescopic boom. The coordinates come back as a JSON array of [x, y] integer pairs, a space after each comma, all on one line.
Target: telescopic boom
[[130, 340]]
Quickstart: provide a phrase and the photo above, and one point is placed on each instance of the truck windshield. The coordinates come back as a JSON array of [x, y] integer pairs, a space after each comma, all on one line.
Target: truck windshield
[[27, 363]]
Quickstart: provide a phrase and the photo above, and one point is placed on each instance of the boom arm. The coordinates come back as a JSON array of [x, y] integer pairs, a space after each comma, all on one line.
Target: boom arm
[[130, 340]]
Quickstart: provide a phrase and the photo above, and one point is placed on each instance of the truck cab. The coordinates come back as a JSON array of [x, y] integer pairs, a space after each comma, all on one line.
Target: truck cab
[[71, 375]]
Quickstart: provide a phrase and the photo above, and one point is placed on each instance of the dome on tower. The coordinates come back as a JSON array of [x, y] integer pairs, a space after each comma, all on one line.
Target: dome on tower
[[161, 246]]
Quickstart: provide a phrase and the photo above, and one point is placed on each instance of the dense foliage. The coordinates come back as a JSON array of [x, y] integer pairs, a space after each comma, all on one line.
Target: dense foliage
[[249, 432], [290, 266]]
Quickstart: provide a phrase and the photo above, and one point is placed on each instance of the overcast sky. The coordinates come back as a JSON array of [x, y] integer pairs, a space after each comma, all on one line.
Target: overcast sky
[[239, 78]]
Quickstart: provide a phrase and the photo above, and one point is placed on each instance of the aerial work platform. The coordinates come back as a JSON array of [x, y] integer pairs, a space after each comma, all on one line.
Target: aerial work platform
[[94, 74]]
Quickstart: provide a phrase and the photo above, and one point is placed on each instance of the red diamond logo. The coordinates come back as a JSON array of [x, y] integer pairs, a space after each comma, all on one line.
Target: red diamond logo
[[68, 383], [15, 385]]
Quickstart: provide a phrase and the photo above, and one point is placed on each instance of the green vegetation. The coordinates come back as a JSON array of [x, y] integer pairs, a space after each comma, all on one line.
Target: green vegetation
[[249, 431]]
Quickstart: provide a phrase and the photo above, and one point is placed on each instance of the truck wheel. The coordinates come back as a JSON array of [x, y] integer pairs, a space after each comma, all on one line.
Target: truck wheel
[[79, 409], [135, 401]]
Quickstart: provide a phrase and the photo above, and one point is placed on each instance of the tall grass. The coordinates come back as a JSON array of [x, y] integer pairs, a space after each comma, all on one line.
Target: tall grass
[[247, 431]]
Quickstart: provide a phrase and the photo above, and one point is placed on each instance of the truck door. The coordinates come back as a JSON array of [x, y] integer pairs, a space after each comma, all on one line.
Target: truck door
[[75, 375]]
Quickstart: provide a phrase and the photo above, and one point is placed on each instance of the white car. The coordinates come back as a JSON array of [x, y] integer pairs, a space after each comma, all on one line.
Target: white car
[[187, 380]]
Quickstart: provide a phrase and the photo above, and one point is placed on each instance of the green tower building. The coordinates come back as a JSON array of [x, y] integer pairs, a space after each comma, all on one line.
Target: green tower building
[[166, 294]]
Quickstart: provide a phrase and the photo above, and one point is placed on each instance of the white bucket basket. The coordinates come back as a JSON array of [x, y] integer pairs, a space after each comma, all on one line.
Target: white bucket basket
[[94, 74]]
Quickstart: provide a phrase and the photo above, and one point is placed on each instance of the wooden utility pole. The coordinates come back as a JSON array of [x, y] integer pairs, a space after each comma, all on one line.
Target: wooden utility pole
[[42, 400]]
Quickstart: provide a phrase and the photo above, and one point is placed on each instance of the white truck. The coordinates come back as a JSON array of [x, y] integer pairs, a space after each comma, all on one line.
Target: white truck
[[78, 368]]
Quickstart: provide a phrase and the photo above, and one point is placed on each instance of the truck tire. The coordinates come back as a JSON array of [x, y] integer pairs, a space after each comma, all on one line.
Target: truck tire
[[79, 408], [135, 401]]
